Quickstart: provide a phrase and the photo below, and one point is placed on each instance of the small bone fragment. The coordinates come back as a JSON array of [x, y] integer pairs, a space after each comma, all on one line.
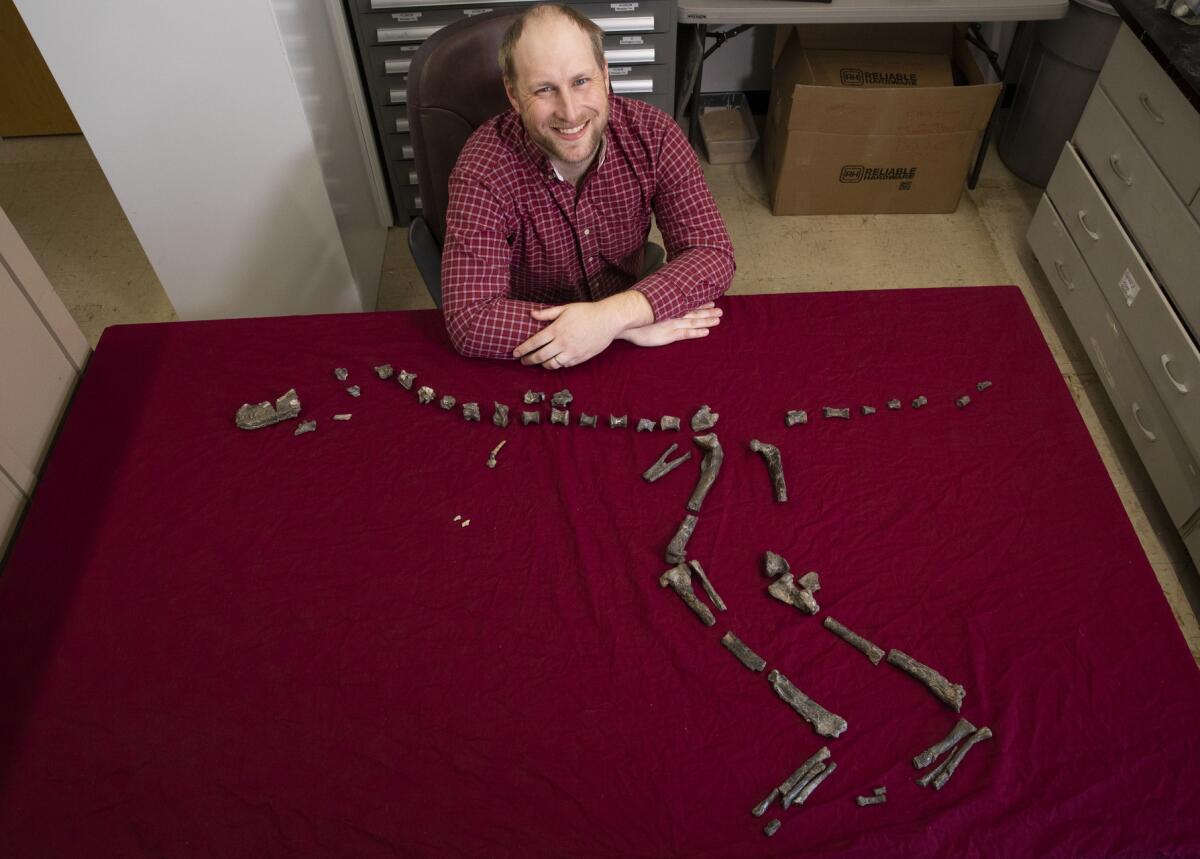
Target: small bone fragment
[[963, 401], [560, 416], [405, 379], [761, 809], [831, 412], [259, 415], [961, 728], [354, 391], [341, 374], [499, 414], [947, 769], [868, 410], [528, 418], [920, 401], [810, 581], [805, 771], [772, 827], [770, 453], [645, 425], [676, 549], [615, 422], [562, 398], [792, 795], [877, 799], [705, 418], [950, 694], [384, 371], [344, 417], [679, 578], [754, 662], [491, 460], [447, 402], [825, 723], [465, 523], [305, 426], [871, 651], [784, 589], [710, 467], [894, 405], [425, 394], [668, 423], [775, 564], [983, 386], [470, 411], [457, 517], [881, 791], [707, 585], [586, 420], [532, 397], [796, 416], [661, 467]]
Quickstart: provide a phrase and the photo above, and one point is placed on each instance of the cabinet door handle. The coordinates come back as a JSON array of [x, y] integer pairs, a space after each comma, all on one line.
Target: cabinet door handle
[[1115, 163], [1062, 275], [1154, 114], [1083, 223], [1137, 418], [1166, 365]]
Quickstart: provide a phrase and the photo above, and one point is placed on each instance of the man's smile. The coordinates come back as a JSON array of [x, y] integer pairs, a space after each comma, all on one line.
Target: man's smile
[[572, 133]]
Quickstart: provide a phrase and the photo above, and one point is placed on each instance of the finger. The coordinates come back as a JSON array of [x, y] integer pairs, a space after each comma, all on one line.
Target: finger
[[541, 356], [537, 341], [545, 314], [703, 313]]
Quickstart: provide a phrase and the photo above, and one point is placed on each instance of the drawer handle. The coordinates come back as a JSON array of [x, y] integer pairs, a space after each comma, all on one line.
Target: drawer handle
[[1154, 114], [1179, 386], [1115, 163], [1137, 417], [1062, 275], [1083, 223]]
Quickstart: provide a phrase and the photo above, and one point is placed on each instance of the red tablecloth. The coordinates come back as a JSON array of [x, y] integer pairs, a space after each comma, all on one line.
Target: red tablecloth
[[217, 643]]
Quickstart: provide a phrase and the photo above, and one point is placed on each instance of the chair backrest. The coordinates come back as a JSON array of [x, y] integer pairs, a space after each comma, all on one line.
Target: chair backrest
[[454, 86]]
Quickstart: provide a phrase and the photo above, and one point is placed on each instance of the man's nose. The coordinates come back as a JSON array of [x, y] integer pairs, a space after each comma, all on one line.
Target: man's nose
[[569, 105]]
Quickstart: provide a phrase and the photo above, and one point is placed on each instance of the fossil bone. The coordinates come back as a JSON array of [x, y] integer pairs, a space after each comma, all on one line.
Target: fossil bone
[[707, 585], [877, 799], [881, 791], [425, 394], [784, 589], [825, 723], [341, 374], [961, 728], [447, 402], [710, 467], [796, 416], [677, 548], [354, 391], [405, 379], [813, 784], [342, 417], [770, 453], [615, 422], [810, 581], [470, 412], [586, 420], [920, 401], [562, 398], [804, 772], [661, 466], [528, 418], [798, 788], [532, 397], [868, 410], [491, 460], [679, 578], [705, 418], [938, 776], [560, 416], [963, 401], [771, 828], [831, 412], [894, 405], [950, 694], [668, 423], [761, 809], [774, 564], [384, 371], [499, 414], [983, 386], [305, 426], [259, 415], [871, 651], [646, 425], [751, 660]]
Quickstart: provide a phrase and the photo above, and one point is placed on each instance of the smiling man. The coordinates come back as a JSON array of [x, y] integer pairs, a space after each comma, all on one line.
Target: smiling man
[[550, 207]]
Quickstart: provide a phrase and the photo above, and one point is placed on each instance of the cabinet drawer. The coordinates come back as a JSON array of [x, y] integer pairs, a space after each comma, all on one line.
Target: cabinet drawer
[[394, 120], [640, 80], [1167, 459], [1166, 351], [1156, 217], [635, 49], [389, 61], [408, 200], [403, 173], [417, 25], [1158, 112], [399, 147]]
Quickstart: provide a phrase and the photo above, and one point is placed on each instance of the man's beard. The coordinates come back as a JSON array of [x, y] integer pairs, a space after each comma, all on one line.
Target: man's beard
[[558, 149]]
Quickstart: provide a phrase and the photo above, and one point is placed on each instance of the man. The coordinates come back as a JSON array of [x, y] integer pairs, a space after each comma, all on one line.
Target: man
[[550, 208]]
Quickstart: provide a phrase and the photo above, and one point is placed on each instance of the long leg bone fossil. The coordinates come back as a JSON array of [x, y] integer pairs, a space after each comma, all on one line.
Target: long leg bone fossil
[[747, 657], [871, 651], [950, 694], [677, 548], [679, 578], [662, 467], [825, 723], [710, 467], [961, 728], [770, 453]]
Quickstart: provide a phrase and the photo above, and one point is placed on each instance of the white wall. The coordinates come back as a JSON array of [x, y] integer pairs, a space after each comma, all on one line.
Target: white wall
[[194, 116]]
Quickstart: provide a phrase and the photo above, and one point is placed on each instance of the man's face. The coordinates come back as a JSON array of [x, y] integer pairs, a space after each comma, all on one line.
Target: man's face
[[560, 92]]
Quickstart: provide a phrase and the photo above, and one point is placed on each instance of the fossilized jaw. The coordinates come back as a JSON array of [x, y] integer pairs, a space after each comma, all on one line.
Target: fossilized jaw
[[710, 467], [661, 467], [871, 651], [950, 694], [961, 729], [259, 415], [677, 548], [770, 453], [825, 723], [679, 579]]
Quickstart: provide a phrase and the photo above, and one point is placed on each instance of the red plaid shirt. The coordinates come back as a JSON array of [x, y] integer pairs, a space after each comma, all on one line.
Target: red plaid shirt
[[518, 237]]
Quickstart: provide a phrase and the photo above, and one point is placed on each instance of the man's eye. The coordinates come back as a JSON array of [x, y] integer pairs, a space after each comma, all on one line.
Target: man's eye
[[580, 81], [543, 90]]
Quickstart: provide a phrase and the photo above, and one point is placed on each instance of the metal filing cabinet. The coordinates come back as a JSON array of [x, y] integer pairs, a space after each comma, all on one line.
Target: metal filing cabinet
[[639, 44], [1118, 235]]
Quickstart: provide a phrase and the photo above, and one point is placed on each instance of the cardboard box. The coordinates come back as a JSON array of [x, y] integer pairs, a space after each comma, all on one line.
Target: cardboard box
[[847, 146], [727, 127]]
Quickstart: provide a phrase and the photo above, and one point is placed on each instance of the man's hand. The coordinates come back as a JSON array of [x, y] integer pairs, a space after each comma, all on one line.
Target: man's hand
[[690, 325], [582, 330]]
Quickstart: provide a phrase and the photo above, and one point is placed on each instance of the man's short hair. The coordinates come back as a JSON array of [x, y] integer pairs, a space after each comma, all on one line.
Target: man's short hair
[[509, 43]]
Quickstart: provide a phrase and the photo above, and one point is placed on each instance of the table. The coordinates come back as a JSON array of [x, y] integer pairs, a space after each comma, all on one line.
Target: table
[[219, 642]]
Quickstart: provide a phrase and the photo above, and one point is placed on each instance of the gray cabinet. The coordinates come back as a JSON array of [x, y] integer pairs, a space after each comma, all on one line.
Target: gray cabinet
[[639, 45], [1118, 235]]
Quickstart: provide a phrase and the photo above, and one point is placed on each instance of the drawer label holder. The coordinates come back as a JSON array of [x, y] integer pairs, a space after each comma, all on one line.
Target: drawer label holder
[[1129, 287]]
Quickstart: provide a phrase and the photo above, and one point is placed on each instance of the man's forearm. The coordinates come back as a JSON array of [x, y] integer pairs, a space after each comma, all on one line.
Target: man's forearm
[[629, 309]]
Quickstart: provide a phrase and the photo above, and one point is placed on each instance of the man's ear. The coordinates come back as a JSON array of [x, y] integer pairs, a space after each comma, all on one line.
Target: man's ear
[[512, 96]]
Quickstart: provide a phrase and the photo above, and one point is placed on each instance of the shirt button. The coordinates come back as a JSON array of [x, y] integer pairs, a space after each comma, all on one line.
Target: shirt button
[[591, 259], [587, 231]]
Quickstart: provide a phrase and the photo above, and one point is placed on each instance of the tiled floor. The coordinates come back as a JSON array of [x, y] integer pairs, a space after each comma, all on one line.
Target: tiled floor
[[56, 195]]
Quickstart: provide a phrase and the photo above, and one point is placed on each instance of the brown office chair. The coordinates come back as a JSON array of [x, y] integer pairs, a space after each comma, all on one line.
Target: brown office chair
[[454, 86]]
